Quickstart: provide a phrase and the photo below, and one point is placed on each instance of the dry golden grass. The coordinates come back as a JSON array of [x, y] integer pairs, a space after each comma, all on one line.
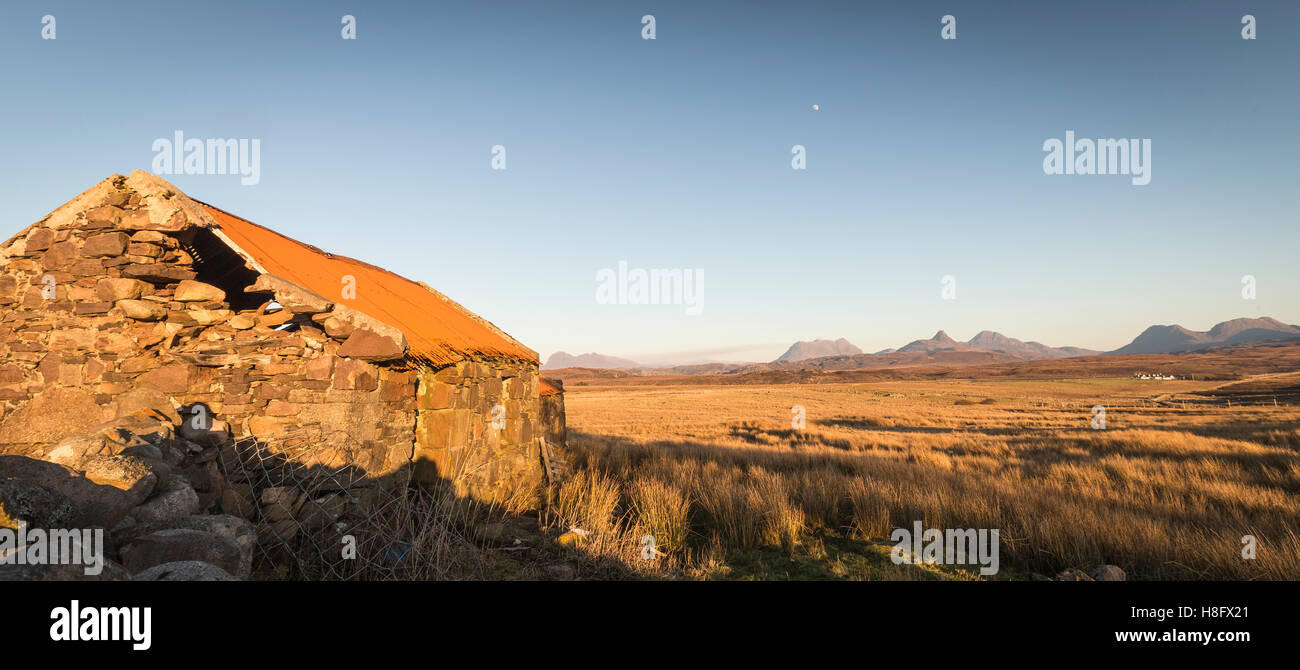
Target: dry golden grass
[[663, 510], [1166, 491]]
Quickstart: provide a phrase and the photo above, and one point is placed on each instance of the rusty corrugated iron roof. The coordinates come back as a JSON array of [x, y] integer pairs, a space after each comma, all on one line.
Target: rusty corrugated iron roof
[[547, 388], [438, 330]]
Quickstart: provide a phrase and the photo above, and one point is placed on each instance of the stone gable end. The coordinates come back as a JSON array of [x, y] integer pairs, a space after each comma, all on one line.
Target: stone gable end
[[128, 297]]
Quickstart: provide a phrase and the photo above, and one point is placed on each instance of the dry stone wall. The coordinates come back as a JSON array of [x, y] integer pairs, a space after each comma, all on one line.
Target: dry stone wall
[[125, 299], [172, 502], [553, 422], [478, 425], [105, 312]]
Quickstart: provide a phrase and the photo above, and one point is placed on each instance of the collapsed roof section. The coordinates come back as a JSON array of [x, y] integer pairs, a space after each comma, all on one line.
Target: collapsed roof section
[[437, 330]]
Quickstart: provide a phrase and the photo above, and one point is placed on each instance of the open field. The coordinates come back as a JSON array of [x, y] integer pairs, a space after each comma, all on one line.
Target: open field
[[729, 489]]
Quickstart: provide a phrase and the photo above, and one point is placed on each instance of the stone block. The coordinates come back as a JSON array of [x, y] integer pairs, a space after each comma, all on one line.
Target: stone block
[[142, 310], [352, 374], [119, 288], [106, 244], [190, 291]]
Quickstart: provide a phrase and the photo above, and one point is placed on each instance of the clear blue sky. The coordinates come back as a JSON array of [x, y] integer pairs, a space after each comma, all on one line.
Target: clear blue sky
[[924, 160]]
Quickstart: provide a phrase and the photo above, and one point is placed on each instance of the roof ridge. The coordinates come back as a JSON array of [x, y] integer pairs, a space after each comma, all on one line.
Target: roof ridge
[[312, 247], [480, 320], [398, 306]]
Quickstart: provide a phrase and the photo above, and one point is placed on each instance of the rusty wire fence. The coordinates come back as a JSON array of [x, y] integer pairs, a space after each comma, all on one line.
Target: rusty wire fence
[[318, 522]]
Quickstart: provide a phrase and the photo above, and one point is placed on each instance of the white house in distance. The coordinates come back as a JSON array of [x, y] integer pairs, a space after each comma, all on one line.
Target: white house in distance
[[1144, 375]]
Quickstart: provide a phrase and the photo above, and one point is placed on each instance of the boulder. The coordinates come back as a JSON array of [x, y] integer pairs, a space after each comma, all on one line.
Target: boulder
[[191, 291], [184, 571], [49, 495], [207, 317], [337, 328], [367, 345], [73, 451], [145, 425], [63, 572], [1108, 573], [133, 476], [108, 439], [146, 451], [279, 531], [124, 532], [237, 500], [318, 513], [171, 504], [347, 319], [181, 544], [291, 296], [280, 503], [232, 528], [161, 465]]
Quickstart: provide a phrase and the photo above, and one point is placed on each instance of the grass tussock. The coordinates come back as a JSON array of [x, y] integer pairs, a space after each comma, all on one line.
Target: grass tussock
[[662, 511]]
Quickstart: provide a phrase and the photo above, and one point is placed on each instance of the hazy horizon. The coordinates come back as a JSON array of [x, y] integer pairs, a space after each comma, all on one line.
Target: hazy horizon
[[924, 158], [711, 356]]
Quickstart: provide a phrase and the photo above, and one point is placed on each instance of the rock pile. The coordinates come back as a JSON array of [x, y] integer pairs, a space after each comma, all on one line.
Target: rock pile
[[174, 500]]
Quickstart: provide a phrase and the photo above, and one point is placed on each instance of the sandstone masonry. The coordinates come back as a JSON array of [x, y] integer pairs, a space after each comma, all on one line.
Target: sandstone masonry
[[129, 297]]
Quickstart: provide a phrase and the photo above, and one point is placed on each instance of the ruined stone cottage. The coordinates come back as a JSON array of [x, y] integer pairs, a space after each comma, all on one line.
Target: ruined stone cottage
[[133, 296]]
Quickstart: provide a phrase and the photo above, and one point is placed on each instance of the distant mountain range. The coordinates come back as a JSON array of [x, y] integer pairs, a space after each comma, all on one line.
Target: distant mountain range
[[988, 340], [986, 347], [818, 348], [561, 359], [1172, 339]]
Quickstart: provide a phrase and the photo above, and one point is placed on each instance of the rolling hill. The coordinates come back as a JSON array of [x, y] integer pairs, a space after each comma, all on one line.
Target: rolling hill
[[1175, 338], [988, 340], [561, 359], [818, 348]]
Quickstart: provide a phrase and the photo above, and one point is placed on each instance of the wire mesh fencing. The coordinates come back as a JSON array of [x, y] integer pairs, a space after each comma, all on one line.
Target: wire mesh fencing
[[320, 522]]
